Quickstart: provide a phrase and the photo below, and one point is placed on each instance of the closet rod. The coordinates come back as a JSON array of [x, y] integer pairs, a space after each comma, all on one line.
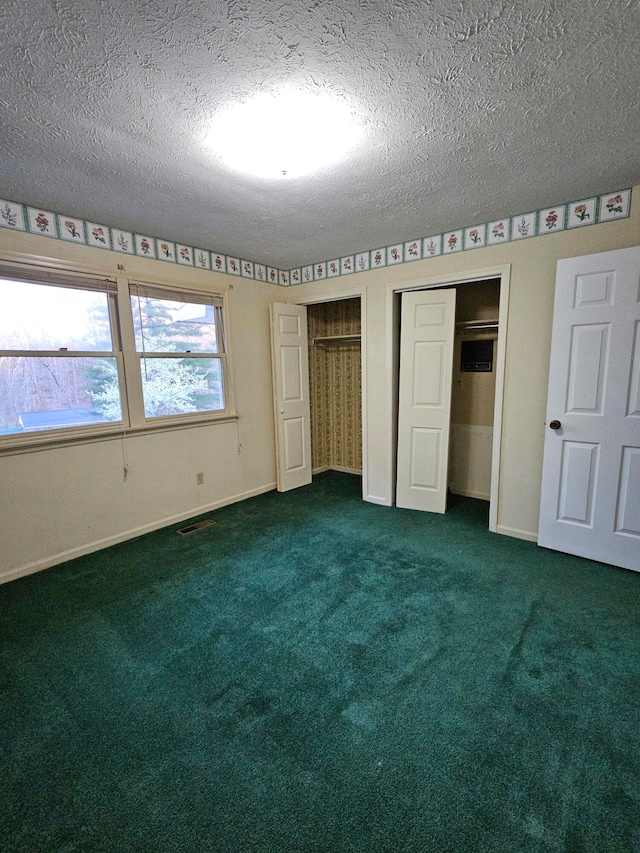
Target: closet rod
[[337, 339], [471, 325]]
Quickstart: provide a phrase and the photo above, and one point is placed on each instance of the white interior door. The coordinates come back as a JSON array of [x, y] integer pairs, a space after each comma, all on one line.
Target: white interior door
[[427, 328], [290, 364], [590, 502]]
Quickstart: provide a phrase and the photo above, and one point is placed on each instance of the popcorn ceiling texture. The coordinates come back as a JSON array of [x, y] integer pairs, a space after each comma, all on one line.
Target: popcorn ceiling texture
[[472, 110]]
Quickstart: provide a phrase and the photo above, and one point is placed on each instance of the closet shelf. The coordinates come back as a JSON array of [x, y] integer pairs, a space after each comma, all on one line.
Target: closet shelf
[[337, 339], [472, 325]]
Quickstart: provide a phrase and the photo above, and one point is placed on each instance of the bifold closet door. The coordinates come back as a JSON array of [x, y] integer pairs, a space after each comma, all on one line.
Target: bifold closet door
[[290, 366], [427, 328]]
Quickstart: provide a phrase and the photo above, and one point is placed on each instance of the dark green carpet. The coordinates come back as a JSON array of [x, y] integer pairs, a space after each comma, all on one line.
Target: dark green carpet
[[315, 673]]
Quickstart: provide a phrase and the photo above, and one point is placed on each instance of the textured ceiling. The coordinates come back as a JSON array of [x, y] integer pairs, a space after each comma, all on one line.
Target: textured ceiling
[[472, 110]]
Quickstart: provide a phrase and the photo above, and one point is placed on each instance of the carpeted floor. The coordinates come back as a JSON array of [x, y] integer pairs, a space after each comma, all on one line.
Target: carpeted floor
[[315, 673]]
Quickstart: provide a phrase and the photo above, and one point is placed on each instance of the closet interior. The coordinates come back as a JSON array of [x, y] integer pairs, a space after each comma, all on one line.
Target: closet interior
[[335, 385], [473, 388]]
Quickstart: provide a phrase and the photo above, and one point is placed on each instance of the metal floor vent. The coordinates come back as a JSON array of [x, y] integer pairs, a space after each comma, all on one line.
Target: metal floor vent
[[197, 526]]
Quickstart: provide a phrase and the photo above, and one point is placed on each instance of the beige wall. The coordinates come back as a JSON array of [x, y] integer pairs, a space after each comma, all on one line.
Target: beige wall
[[59, 503], [533, 265]]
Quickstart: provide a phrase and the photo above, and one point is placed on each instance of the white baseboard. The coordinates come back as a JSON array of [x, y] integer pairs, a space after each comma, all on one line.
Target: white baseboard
[[99, 544], [468, 494], [518, 534], [322, 468]]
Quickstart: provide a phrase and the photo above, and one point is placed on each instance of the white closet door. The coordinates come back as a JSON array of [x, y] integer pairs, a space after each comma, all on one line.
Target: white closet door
[[290, 364], [590, 504], [424, 406]]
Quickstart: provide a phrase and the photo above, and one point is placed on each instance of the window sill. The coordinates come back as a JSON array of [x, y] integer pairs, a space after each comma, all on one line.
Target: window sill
[[35, 443]]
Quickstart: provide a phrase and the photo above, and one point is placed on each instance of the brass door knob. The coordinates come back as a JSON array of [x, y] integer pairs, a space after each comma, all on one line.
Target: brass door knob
[[555, 425]]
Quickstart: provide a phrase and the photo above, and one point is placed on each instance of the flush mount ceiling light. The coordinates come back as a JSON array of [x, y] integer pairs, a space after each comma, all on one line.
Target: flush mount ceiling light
[[284, 135]]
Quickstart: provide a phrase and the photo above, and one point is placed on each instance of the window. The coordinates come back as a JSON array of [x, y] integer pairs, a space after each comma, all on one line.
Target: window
[[56, 352], [178, 344], [78, 353]]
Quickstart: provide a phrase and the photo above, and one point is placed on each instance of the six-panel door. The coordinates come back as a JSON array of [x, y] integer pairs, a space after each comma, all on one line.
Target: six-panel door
[[590, 504]]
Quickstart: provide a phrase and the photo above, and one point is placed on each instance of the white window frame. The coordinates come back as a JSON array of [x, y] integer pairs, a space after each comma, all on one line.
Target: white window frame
[[118, 289], [133, 359]]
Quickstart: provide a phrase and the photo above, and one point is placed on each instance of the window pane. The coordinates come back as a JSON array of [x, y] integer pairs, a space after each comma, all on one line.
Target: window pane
[[177, 386], [50, 393], [165, 326], [46, 317]]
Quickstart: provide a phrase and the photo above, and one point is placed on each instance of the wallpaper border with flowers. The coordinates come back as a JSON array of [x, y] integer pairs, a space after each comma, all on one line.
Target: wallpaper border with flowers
[[548, 220], [47, 223]]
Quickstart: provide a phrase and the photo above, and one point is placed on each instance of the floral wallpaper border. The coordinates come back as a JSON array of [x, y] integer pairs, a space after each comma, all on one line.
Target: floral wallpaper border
[[549, 220], [47, 223]]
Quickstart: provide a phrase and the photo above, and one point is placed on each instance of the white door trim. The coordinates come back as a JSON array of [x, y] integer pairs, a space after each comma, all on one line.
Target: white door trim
[[352, 293], [503, 272]]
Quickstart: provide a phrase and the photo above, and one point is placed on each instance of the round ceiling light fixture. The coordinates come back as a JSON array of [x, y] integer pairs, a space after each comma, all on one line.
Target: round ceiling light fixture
[[285, 134]]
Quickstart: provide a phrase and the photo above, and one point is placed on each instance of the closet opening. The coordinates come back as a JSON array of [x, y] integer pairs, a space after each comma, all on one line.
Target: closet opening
[[473, 389], [449, 393], [335, 385]]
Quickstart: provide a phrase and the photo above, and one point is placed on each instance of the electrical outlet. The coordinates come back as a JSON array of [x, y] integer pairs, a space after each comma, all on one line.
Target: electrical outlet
[[200, 478]]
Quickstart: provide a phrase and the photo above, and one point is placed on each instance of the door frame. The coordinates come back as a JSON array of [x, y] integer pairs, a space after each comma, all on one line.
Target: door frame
[[333, 296], [392, 336]]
